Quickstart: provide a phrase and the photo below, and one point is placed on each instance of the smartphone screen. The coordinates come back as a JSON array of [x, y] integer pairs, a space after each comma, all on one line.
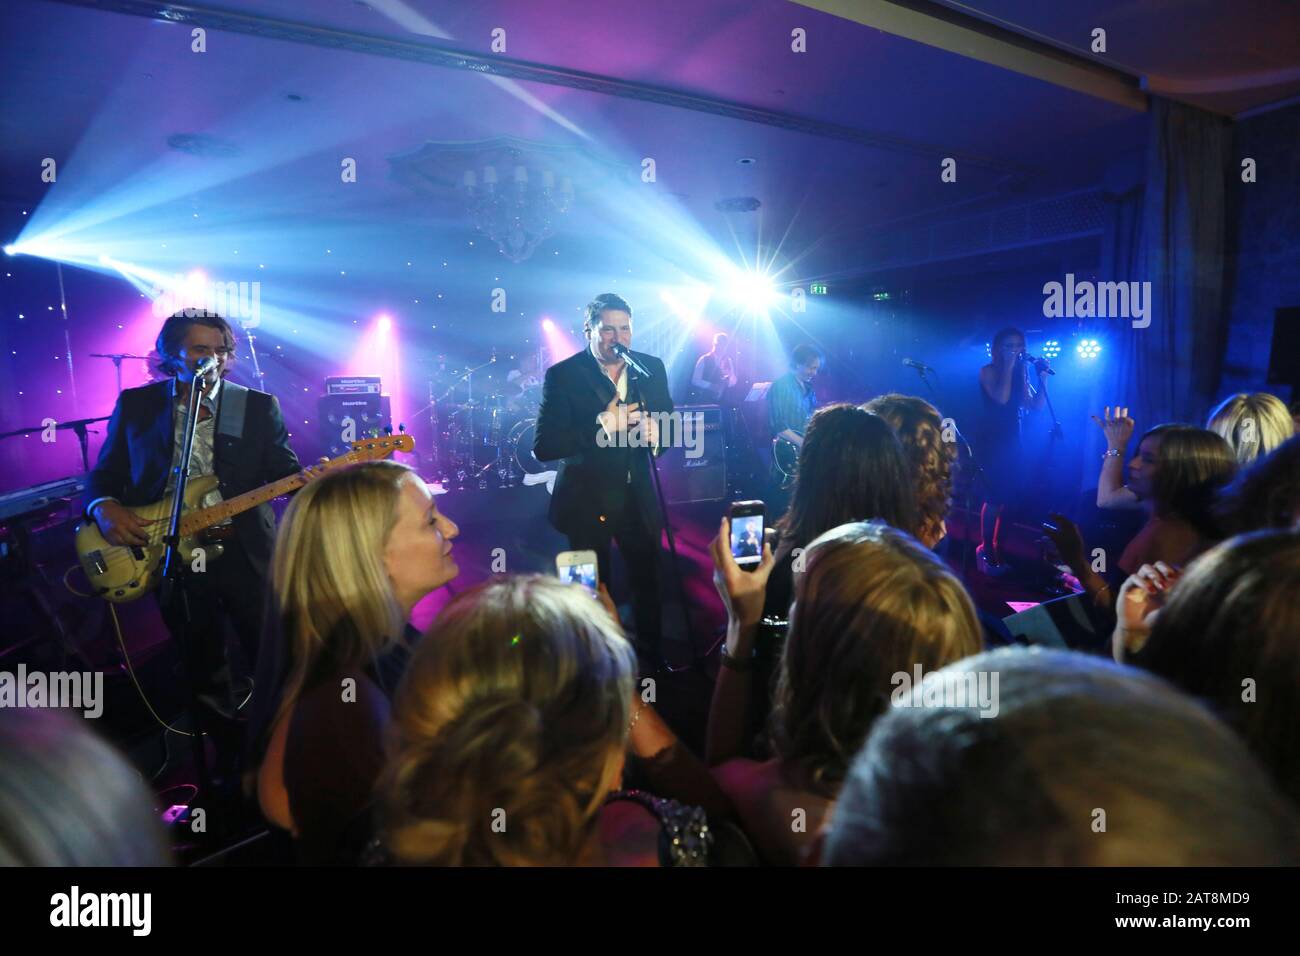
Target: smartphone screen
[[578, 567], [747, 533]]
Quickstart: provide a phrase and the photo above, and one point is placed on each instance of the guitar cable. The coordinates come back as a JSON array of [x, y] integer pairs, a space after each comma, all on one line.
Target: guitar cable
[[126, 659]]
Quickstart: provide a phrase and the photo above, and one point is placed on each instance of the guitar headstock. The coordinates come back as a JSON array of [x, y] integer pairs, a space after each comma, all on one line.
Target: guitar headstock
[[369, 449]]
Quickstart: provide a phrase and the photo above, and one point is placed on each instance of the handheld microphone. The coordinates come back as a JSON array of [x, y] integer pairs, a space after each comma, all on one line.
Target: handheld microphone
[[626, 355], [1040, 363], [919, 366]]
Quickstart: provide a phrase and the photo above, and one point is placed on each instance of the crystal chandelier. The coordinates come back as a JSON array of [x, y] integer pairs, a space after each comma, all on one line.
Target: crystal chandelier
[[519, 213]]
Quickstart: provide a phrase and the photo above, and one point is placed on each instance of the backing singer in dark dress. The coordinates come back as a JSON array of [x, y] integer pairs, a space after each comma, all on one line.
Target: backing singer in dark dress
[[591, 403], [1005, 396]]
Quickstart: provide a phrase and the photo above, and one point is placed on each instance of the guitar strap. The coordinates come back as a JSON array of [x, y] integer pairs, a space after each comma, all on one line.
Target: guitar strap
[[234, 403]]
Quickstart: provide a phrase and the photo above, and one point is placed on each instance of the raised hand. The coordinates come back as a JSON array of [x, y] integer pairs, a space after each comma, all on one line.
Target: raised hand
[[607, 602], [742, 592], [1065, 534], [1117, 428]]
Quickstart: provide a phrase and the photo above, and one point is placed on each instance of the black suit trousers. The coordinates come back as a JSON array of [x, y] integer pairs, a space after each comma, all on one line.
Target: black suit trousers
[[639, 547], [230, 591]]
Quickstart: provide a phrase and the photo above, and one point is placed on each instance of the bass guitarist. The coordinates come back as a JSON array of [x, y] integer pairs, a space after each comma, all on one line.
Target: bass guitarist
[[241, 438]]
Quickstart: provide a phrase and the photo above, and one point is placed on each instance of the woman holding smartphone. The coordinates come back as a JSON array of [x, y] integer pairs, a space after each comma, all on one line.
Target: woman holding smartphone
[[870, 602]]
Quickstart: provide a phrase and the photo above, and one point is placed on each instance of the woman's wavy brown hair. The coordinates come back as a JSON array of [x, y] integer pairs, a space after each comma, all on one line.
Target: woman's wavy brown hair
[[1194, 465], [508, 729], [919, 428], [871, 603]]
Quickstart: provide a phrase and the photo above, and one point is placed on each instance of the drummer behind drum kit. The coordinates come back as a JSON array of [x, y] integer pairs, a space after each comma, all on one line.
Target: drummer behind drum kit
[[486, 439]]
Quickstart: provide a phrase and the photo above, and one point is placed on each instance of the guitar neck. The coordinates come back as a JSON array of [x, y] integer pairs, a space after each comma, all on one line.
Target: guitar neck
[[365, 450], [196, 521]]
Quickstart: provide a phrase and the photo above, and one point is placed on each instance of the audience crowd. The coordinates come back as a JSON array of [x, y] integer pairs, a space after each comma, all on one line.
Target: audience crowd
[[859, 713]]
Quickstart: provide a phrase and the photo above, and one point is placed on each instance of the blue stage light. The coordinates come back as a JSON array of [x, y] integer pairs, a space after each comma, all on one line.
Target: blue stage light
[[11, 250], [1088, 348], [1051, 349]]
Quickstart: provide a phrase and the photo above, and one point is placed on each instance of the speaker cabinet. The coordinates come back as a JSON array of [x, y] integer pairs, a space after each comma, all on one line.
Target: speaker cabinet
[[694, 465], [359, 415]]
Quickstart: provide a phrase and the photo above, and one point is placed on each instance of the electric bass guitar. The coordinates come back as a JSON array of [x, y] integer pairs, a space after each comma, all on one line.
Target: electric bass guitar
[[122, 573]]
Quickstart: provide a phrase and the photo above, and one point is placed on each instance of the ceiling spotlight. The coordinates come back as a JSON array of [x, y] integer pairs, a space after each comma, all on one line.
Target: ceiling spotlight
[[754, 290]]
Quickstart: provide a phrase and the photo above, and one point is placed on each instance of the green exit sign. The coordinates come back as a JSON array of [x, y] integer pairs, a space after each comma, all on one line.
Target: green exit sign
[[818, 288]]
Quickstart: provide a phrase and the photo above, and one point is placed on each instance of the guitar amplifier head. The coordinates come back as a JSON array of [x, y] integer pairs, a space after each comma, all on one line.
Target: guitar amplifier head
[[353, 385]]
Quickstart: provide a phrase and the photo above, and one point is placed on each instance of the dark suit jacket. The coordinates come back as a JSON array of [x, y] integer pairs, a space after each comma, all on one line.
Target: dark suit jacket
[[137, 455], [591, 480]]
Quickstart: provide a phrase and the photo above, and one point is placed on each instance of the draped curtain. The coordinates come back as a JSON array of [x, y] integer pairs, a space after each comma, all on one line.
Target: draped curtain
[[1173, 232]]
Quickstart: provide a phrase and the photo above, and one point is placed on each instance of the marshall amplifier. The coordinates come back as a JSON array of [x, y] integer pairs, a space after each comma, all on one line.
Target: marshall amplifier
[[348, 418], [693, 465], [352, 385]]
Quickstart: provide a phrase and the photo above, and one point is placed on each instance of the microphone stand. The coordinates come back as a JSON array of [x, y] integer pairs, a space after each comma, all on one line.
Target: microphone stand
[[1053, 436], [78, 427], [117, 362], [173, 586], [635, 372]]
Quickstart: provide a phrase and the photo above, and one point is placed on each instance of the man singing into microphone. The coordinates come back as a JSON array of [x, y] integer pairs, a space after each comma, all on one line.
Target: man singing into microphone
[[597, 421], [240, 437]]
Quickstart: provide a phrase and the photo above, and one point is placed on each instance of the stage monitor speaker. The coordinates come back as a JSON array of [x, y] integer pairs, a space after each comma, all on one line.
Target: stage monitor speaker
[[360, 415], [697, 472]]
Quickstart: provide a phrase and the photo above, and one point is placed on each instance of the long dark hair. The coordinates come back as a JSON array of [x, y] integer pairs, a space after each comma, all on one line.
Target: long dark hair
[[1265, 495], [851, 468], [1194, 465], [1232, 618]]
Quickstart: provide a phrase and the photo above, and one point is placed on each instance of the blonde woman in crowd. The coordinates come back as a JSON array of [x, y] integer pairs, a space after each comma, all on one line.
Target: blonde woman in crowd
[[357, 550], [1252, 424]]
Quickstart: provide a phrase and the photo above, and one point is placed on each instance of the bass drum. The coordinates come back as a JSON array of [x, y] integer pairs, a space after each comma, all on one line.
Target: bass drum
[[520, 441]]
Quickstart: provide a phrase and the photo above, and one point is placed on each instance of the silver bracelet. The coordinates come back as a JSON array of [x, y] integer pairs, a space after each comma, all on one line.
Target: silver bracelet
[[1111, 453]]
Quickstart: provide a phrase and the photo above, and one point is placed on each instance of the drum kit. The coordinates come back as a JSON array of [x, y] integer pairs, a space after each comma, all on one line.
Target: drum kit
[[485, 440]]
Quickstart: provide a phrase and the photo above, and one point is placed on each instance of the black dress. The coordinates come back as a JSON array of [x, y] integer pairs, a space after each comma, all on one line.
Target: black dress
[[999, 449]]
